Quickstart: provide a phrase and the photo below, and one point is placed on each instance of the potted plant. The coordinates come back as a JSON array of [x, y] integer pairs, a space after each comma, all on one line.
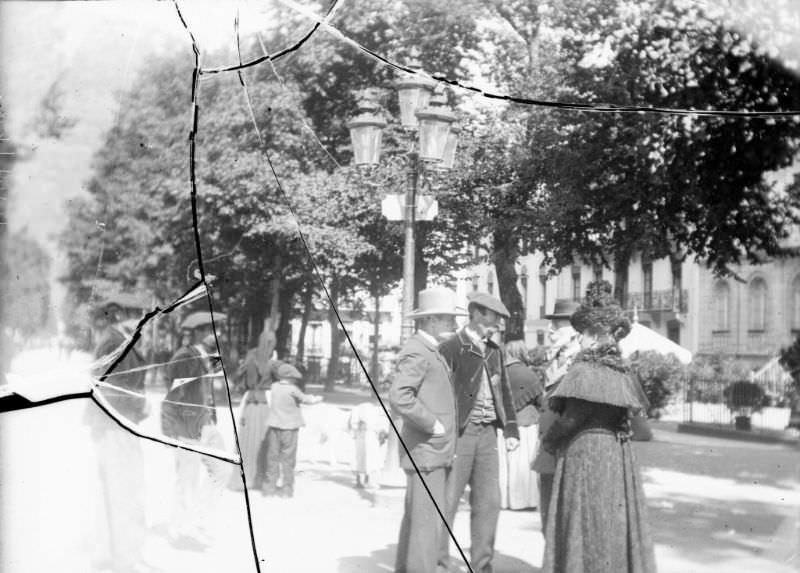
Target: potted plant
[[743, 398]]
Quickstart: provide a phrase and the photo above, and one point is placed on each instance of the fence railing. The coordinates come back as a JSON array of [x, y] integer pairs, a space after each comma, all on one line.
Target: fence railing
[[707, 402]]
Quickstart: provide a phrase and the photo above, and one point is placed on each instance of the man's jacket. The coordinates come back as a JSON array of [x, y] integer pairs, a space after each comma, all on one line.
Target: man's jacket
[[421, 394], [189, 403], [467, 363]]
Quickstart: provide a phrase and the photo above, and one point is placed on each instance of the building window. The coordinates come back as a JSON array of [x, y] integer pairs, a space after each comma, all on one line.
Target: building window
[[597, 272], [577, 294], [621, 286], [543, 289], [722, 303], [523, 285], [490, 282], [796, 303], [475, 279], [757, 305], [677, 286], [647, 284]]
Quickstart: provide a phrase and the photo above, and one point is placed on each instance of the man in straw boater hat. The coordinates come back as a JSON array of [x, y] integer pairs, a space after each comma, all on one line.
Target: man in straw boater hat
[[565, 344], [422, 394], [484, 405], [188, 414]]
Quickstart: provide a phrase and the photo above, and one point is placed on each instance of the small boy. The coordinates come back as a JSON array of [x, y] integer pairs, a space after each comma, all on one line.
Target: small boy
[[284, 420]]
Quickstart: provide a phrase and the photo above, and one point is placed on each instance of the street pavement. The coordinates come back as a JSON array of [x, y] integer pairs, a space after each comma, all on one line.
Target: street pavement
[[716, 505]]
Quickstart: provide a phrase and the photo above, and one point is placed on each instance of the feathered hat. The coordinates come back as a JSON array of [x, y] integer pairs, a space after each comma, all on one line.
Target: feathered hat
[[600, 312]]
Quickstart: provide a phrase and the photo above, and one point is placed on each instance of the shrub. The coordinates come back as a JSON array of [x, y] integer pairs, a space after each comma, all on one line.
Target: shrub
[[661, 377], [745, 397]]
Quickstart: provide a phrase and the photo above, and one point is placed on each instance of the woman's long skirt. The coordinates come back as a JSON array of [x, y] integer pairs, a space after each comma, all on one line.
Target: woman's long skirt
[[519, 488], [597, 521], [252, 427]]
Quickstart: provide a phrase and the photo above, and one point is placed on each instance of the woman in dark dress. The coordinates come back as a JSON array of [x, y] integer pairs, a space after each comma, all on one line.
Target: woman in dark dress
[[598, 517]]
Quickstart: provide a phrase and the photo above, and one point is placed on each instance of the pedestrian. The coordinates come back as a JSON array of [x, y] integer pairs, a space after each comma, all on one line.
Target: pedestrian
[[188, 415], [597, 519], [369, 427], [565, 344], [120, 460], [252, 426], [519, 489], [422, 395], [285, 418], [484, 405], [256, 372]]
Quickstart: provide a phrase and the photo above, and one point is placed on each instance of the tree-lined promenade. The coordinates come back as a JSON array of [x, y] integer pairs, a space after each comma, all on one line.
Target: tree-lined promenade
[[572, 185]]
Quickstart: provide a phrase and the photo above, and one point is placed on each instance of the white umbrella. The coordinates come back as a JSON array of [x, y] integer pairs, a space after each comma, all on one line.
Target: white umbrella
[[642, 338]]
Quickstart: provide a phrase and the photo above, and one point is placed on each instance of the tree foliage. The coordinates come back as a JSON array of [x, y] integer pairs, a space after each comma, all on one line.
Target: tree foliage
[[660, 184]]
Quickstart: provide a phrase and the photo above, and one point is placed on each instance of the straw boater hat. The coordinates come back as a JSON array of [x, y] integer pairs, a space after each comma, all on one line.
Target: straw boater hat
[[437, 301]]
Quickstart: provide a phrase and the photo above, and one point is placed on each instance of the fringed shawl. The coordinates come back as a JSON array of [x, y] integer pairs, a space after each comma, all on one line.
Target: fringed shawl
[[599, 375]]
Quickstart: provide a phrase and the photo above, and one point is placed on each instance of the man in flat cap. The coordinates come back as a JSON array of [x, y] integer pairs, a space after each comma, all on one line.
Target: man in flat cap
[[422, 395], [188, 414], [484, 405]]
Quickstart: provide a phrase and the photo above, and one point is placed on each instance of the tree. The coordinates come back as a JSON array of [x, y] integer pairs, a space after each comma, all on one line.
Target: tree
[[50, 121], [655, 184], [137, 221], [790, 361], [26, 286]]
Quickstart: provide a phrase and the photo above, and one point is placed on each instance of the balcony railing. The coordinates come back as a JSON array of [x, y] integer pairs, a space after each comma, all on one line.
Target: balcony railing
[[658, 300]]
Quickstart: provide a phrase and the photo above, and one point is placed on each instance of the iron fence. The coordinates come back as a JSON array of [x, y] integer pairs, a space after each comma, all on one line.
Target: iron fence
[[719, 403]]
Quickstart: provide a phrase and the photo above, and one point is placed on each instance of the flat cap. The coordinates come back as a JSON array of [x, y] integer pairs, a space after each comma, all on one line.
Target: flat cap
[[286, 371], [486, 300]]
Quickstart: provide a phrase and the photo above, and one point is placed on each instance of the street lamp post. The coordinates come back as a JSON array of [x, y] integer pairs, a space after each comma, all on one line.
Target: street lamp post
[[424, 111]]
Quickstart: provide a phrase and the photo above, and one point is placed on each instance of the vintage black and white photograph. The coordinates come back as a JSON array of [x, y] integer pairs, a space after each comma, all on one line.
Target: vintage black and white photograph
[[412, 286]]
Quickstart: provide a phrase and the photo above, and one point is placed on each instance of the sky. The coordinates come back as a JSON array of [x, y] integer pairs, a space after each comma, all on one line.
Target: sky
[[94, 50]]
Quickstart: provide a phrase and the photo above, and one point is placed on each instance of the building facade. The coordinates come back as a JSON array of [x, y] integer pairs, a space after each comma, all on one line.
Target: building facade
[[749, 317]]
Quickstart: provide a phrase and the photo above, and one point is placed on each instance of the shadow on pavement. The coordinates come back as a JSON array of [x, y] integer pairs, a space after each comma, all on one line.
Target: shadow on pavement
[[382, 561], [710, 530], [745, 462]]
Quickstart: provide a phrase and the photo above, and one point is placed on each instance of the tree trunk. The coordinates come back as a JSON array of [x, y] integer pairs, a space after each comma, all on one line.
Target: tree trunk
[[505, 256], [333, 362], [300, 353], [283, 335]]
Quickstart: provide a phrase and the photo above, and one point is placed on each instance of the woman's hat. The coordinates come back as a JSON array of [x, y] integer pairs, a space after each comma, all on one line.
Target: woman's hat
[[600, 312], [437, 301]]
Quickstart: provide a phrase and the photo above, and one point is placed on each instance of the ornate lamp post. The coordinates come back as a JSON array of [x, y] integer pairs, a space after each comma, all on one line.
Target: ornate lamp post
[[427, 113]]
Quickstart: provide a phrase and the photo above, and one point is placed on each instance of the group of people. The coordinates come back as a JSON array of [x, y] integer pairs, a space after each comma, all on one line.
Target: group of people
[[565, 416], [268, 423]]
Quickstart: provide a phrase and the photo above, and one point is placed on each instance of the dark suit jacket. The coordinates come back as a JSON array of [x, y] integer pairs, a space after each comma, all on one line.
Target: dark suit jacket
[[466, 361], [421, 394], [188, 405]]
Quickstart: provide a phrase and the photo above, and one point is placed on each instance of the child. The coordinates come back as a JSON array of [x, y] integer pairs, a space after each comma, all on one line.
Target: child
[[370, 428], [284, 420]]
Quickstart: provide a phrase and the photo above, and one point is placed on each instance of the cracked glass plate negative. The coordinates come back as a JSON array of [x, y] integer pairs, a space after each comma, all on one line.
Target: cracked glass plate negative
[[208, 254]]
